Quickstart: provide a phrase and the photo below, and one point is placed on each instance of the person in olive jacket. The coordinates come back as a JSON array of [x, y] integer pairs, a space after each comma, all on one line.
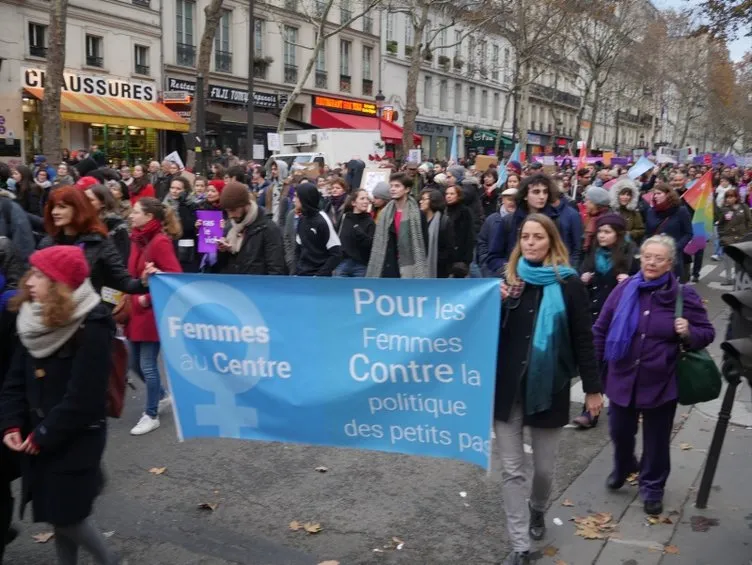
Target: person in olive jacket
[[70, 219], [53, 406], [544, 342], [252, 244]]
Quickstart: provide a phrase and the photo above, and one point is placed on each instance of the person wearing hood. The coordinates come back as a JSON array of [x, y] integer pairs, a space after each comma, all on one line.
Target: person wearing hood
[[252, 244], [381, 198], [625, 197], [41, 164], [597, 203], [182, 202], [53, 405], [569, 224], [356, 234], [401, 241], [274, 203], [108, 208], [455, 175], [318, 248], [14, 223]]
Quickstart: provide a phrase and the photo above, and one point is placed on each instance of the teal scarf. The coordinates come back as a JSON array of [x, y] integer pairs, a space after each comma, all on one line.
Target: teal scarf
[[551, 332], [603, 261]]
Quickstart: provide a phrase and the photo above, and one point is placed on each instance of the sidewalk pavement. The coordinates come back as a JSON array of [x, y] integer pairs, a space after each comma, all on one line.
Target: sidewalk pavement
[[719, 535]]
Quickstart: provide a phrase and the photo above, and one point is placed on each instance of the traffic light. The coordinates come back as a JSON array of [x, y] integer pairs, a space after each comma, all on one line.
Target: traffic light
[[737, 357]]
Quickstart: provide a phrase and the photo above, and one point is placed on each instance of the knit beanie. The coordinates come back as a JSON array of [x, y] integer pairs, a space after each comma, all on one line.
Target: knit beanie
[[381, 190], [64, 264], [218, 184], [86, 182], [614, 220], [234, 195], [458, 172], [598, 196]]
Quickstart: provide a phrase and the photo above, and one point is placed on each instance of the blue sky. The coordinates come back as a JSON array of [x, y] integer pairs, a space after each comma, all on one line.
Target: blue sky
[[736, 48]]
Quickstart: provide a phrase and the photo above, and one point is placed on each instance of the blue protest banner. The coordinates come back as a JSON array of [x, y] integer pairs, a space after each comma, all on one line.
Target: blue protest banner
[[643, 165], [386, 364]]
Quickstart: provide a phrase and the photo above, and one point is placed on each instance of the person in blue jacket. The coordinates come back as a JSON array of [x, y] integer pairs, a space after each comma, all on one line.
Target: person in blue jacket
[[569, 224], [667, 215]]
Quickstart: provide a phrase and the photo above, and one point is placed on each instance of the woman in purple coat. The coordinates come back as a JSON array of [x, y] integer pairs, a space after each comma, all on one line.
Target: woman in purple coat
[[638, 338]]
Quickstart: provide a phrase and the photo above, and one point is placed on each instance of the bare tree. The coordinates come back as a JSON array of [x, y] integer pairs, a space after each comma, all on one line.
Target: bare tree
[[212, 13], [53, 81], [324, 30]]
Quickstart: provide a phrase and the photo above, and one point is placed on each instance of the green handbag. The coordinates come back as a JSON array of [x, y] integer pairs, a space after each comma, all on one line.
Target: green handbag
[[697, 375]]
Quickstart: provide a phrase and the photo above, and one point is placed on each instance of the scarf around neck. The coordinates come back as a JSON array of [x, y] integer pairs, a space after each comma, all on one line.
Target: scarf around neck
[[235, 235], [143, 235], [434, 227], [603, 260], [624, 323], [41, 340], [410, 245], [551, 334]]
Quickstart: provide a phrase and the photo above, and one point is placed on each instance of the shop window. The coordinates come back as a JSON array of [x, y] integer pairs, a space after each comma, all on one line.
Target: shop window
[[222, 50], [427, 92], [443, 95], [141, 57], [94, 51], [186, 50], [37, 40]]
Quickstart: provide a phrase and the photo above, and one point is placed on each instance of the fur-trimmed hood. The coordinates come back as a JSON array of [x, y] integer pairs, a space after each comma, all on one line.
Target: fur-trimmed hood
[[618, 186]]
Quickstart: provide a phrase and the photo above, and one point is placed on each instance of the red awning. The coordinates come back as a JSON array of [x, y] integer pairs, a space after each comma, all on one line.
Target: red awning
[[390, 132]]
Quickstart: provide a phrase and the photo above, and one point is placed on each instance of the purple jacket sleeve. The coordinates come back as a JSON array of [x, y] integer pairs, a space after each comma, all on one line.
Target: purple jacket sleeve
[[603, 323], [701, 331]]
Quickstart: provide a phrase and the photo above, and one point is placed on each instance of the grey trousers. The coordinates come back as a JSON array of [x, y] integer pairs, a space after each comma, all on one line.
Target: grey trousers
[[517, 485]]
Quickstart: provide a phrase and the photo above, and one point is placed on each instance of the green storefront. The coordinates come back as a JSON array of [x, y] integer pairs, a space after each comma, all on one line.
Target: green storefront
[[483, 142]]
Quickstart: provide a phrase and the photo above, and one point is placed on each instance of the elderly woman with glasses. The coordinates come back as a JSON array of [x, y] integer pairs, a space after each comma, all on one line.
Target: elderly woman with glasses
[[638, 338]]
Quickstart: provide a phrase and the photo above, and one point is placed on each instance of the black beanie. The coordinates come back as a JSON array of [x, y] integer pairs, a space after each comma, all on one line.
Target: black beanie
[[309, 197]]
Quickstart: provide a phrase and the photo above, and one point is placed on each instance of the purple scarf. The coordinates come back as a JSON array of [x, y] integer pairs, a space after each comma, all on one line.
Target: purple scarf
[[627, 315]]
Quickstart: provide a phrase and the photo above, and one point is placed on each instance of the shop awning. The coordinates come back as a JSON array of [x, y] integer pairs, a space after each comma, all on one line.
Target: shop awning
[[260, 119], [75, 107], [390, 133]]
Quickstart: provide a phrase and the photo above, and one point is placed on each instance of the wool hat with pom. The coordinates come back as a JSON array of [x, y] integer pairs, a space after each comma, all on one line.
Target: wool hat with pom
[[64, 264]]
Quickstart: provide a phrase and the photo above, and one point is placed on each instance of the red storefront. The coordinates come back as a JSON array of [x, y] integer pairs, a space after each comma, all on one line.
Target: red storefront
[[330, 112]]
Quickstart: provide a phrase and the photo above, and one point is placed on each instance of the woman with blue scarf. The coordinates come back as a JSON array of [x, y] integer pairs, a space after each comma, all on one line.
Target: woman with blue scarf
[[610, 261], [638, 338], [545, 341]]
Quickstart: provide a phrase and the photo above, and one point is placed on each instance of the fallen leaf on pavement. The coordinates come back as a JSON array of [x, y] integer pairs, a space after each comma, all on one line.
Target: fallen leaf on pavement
[[702, 524], [295, 525], [653, 520], [672, 549], [158, 470], [685, 446], [666, 520], [550, 551], [312, 527], [330, 562], [44, 537], [322, 469], [567, 502], [208, 506], [589, 533], [634, 479], [599, 525]]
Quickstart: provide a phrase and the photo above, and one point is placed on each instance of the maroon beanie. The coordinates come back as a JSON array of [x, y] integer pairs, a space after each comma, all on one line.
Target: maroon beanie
[[62, 263], [234, 195]]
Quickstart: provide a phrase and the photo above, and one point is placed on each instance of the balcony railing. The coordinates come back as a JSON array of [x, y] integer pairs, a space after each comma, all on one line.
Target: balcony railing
[[142, 69], [291, 74], [345, 83], [368, 24], [144, 3], [549, 93], [367, 87], [186, 55], [223, 61], [322, 81], [345, 15], [259, 71], [92, 61], [37, 51]]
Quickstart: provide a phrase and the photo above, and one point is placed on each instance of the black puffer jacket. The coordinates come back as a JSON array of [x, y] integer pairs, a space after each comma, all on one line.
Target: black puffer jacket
[[107, 267], [356, 235], [118, 232], [464, 232], [262, 252]]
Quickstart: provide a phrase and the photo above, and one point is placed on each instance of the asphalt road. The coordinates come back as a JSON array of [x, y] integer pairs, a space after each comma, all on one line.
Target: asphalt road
[[362, 501]]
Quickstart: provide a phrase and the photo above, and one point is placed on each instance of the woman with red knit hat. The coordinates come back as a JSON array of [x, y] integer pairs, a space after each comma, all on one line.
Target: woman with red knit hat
[[54, 401], [214, 190], [155, 226]]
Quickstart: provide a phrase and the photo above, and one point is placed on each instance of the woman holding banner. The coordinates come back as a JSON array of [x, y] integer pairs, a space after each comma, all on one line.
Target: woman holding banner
[[545, 341]]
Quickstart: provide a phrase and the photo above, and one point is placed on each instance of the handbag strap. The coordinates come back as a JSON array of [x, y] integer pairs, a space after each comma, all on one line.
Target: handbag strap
[[679, 310]]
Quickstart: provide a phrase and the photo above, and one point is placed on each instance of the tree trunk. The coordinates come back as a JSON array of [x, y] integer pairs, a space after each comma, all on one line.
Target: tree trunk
[[497, 144], [213, 13], [53, 82], [521, 107], [581, 112], [685, 132], [594, 113], [413, 73]]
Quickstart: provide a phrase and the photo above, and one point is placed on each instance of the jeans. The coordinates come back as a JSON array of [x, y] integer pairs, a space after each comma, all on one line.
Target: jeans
[[144, 356], [350, 268], [717, 249], [475, 272], [516, 476], [728, 265]]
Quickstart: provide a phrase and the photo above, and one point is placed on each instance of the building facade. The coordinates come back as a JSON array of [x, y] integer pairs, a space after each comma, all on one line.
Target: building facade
[[111, 85]]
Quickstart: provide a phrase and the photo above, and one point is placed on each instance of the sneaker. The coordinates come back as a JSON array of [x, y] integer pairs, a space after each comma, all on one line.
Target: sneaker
[[145, 425], [695, 279], [715, 257], [165, 404]]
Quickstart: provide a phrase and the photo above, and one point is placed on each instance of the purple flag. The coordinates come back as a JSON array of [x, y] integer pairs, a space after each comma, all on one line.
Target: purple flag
[[209, 231]]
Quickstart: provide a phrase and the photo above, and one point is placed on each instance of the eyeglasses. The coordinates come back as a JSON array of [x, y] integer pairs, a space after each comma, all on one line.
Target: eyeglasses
[[657, 259]]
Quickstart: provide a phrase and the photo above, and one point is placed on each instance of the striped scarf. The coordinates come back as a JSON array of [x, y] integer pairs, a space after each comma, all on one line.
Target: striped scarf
[[411, 248]]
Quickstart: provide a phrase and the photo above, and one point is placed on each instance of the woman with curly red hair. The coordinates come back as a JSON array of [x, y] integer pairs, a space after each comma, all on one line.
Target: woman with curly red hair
[[71, 219]]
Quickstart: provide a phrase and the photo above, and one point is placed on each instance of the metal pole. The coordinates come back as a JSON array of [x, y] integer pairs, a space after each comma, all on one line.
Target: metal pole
[[200, 142], [616, 140], [251, 66]]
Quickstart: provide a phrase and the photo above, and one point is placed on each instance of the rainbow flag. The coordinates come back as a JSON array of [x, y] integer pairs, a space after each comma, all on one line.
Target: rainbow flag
[[700, 199]]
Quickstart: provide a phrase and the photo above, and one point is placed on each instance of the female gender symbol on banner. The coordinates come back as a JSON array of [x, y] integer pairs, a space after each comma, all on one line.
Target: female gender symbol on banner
[[225, 412]]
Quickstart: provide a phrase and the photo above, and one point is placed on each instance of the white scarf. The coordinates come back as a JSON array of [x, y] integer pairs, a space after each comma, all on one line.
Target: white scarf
[[235, 235], [42, 340]]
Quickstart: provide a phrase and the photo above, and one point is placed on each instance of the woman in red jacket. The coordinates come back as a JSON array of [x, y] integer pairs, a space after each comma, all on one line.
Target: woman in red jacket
[[140, 187], [155, 226]]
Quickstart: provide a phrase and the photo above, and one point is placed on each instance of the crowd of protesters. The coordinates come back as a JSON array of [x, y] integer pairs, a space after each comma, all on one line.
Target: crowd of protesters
[[579, 253]]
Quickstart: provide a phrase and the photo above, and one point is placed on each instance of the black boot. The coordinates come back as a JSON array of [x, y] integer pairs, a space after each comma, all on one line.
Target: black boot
[[518, 558], [614, 481], [537, 524], [653, 507]]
